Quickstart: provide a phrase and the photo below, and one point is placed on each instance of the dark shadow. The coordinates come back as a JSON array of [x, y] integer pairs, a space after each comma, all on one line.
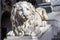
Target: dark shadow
[[5, 24]]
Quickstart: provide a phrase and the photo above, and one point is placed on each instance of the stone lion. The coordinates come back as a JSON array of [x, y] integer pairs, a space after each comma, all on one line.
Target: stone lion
[[25, 19]]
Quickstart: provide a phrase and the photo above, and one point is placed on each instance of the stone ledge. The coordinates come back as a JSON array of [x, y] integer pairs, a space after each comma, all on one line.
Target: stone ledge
[[43, 30], [18, 38]]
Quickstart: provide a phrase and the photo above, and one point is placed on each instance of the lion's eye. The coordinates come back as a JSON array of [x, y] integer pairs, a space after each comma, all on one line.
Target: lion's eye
[[27, 8], [18, 10]]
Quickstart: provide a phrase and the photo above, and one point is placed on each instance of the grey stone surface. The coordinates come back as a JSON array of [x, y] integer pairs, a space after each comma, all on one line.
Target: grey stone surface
[[43, 30], [19, 38], [55, 2], [56, 9]]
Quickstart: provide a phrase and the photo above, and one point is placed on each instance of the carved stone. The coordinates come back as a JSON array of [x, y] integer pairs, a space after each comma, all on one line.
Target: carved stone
[[26, 20]]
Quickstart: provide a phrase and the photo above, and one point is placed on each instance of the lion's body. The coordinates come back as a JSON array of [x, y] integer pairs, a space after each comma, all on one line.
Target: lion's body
[[25, 19]]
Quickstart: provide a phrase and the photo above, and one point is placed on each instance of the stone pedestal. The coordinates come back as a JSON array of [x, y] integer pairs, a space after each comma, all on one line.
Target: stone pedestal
[[18, 38], [38, 37]]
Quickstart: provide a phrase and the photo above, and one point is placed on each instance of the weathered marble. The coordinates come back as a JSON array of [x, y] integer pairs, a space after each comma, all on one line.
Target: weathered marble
[[26, 20]]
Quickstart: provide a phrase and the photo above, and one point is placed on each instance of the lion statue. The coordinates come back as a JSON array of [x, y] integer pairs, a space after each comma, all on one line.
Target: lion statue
[[26, 20]]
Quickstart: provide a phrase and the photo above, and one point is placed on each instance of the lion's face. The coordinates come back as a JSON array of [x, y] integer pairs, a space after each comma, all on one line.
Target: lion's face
[[24, 10]]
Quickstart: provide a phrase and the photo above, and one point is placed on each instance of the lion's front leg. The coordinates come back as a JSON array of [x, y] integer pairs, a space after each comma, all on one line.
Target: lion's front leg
[[13, 32], [14, 28]]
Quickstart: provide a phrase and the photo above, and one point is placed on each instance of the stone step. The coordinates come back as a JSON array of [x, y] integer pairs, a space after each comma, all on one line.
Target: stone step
[[56, 35], [18, 38], [56, 38]]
